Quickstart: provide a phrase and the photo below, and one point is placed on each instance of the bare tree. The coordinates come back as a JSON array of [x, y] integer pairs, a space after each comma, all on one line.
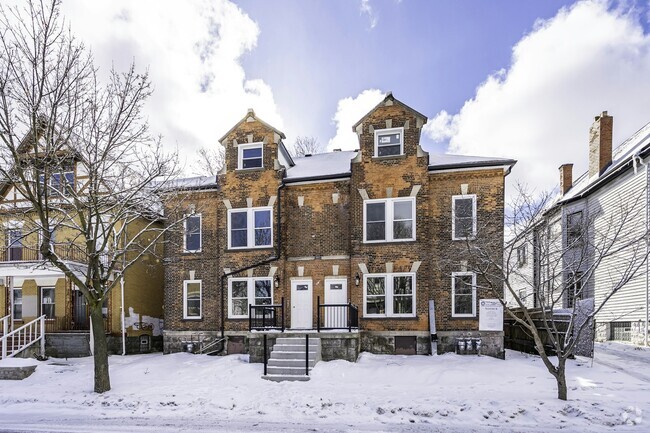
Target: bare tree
[[306, 146], [209, 161], [566, 256], [79, 156]]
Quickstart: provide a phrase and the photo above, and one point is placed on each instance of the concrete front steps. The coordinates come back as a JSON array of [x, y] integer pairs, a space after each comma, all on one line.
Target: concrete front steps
[[287, 360]]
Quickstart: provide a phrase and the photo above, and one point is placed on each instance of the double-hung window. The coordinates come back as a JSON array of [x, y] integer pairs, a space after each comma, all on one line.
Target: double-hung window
[[574, 289], [574, 227], [192, 299], [243, 292], [389, 295], [521, 255], [463, 216], [389, 142], [192, 240], [463, 294], [17, 303], [47, 302], [389, 220], [250, 228], [61, 183], [250, 156]]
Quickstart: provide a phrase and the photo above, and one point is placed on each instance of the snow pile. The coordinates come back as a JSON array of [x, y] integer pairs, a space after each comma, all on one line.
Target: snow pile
[[378, 393]]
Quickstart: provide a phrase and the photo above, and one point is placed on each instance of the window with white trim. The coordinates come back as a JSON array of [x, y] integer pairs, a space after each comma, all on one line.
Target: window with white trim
[[47, 302], [243, 292], [389, 142], [17, 303], [463, 216], [389, 295], [250, 228], [192, 296], [192, 240], [574, 289], [463, 294], [61, 183], [250, 156], [389, 220], [574, 227]]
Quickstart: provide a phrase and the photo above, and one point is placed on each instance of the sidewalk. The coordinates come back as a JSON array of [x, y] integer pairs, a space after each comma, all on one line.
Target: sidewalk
[[626, 358]]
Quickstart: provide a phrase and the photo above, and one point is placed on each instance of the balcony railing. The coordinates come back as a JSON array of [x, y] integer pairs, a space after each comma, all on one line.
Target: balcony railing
[[68, 324], [336, 316], [24, 253], [265, 317]]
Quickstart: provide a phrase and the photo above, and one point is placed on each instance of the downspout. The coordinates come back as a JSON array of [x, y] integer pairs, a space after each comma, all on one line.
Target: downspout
[[122, 315], [647, 246], [275, 257]]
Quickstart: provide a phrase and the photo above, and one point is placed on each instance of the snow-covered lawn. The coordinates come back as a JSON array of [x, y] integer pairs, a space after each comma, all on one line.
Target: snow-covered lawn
[[184, 392]]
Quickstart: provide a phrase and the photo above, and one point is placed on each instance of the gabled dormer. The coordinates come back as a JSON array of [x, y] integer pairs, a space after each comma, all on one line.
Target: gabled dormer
[[253, 145], [390, 130]]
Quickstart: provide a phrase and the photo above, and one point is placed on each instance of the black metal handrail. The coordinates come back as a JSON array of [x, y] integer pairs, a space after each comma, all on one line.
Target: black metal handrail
[[262, 317], [336, 316]]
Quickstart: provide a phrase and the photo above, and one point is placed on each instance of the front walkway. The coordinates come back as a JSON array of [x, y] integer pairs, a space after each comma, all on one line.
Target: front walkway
[[625, 358]]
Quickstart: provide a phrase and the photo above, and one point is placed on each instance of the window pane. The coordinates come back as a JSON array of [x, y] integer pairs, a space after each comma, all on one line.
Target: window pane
[[402, 285], [376, 305], [464, 208], [48, 295], [388, 150], [375, 286], [193, 299], [239, 220], [463, 284], [252, 163], [263, 218], [403, 305], [464, 227], [375, 211], [403, 210], [239, 238], [463, 304], [262, 289], [255, 152], [239, 289], [193, 233], [18, 301], [262, 237], [402, 229], [240, 307], [376, 231], [48, 311]]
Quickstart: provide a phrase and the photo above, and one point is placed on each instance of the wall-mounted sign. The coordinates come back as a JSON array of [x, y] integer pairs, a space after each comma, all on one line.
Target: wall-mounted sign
[[490, 316]]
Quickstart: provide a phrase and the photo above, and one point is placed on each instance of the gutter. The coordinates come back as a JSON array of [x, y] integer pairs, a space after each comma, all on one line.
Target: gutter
[[478, 164], [275, 257]]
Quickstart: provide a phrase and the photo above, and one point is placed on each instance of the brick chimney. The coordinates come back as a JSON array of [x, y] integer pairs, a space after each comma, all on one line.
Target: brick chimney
[[566, 177], [600, 144]]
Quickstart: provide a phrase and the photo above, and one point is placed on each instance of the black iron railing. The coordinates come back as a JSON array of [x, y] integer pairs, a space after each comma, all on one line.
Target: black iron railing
[[336, 316], [68, 324], [262, 317], [24, 253]]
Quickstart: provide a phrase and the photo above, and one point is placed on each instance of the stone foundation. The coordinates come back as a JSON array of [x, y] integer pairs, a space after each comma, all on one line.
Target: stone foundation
[[67, 345], [491, 342], [179, 341], [133, 346], [383, 342], [637, 332]]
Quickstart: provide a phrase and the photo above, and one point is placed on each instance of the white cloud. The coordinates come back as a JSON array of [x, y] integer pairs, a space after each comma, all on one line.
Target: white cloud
[[367, 9], [567, 70], [348, 112], [192, 50]]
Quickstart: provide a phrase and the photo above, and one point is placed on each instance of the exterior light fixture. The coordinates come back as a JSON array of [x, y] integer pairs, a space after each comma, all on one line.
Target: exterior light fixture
[[276, 281], [357, 279]]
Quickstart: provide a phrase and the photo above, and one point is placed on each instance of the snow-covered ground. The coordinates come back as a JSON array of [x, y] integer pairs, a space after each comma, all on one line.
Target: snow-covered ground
[[183, 392]]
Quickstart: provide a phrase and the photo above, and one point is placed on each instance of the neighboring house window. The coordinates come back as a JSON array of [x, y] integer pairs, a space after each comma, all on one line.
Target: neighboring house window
[[389, 295], [61, 183], [18, 303], [193, 240], [463, 294], [574, 289], [522, 295], [463, 216], [573, 227], [14, 244], [243, 292], [47, 302], [250, 228], [391, 219], [521, 255], [192, 299], [250, 156], [389, 142]]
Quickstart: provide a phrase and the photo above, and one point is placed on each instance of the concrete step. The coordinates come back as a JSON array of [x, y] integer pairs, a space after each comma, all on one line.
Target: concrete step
[[294, 355], [299, 363], [297, 340], [285, 377], [295, 347], [290, 371]]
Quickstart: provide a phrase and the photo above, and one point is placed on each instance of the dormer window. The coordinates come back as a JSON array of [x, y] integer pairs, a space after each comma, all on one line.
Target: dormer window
[[250, 156], [389, 142]]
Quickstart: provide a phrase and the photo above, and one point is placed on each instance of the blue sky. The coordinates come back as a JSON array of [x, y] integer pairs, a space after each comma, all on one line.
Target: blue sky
[[518, 79]]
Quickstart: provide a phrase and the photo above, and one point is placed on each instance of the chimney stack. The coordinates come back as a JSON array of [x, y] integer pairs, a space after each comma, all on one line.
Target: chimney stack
[[566, 177], [600, 144]]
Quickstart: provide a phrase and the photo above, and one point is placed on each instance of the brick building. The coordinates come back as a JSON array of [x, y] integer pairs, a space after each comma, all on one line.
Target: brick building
[[358, 242]]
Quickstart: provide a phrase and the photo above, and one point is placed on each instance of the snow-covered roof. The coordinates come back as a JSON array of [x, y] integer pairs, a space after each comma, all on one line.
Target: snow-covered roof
[[637, 144], [328, 165], [444, 161], [198, 182]]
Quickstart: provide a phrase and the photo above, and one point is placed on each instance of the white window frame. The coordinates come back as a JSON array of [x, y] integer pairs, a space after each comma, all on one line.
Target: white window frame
[[250, 294], [240, 155], [453, 216], [453, 294], [185, 284], [388, 285], [250, 227], [185, 250], [49, 303], [379, 132], [13, 303], [389, 210]]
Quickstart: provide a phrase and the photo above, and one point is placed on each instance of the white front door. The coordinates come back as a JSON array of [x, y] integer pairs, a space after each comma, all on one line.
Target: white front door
[[301, 304], [336, 293]]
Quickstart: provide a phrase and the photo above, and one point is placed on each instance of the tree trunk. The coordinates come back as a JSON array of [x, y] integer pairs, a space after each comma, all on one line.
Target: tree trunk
[[100, 350], [561, 379]]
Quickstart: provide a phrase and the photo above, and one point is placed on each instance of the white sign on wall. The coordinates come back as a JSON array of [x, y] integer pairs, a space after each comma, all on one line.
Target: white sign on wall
[[490, 316]]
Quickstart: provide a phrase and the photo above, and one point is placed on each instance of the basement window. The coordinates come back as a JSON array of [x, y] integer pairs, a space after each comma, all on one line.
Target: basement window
[[250, 156], [389, 142]]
